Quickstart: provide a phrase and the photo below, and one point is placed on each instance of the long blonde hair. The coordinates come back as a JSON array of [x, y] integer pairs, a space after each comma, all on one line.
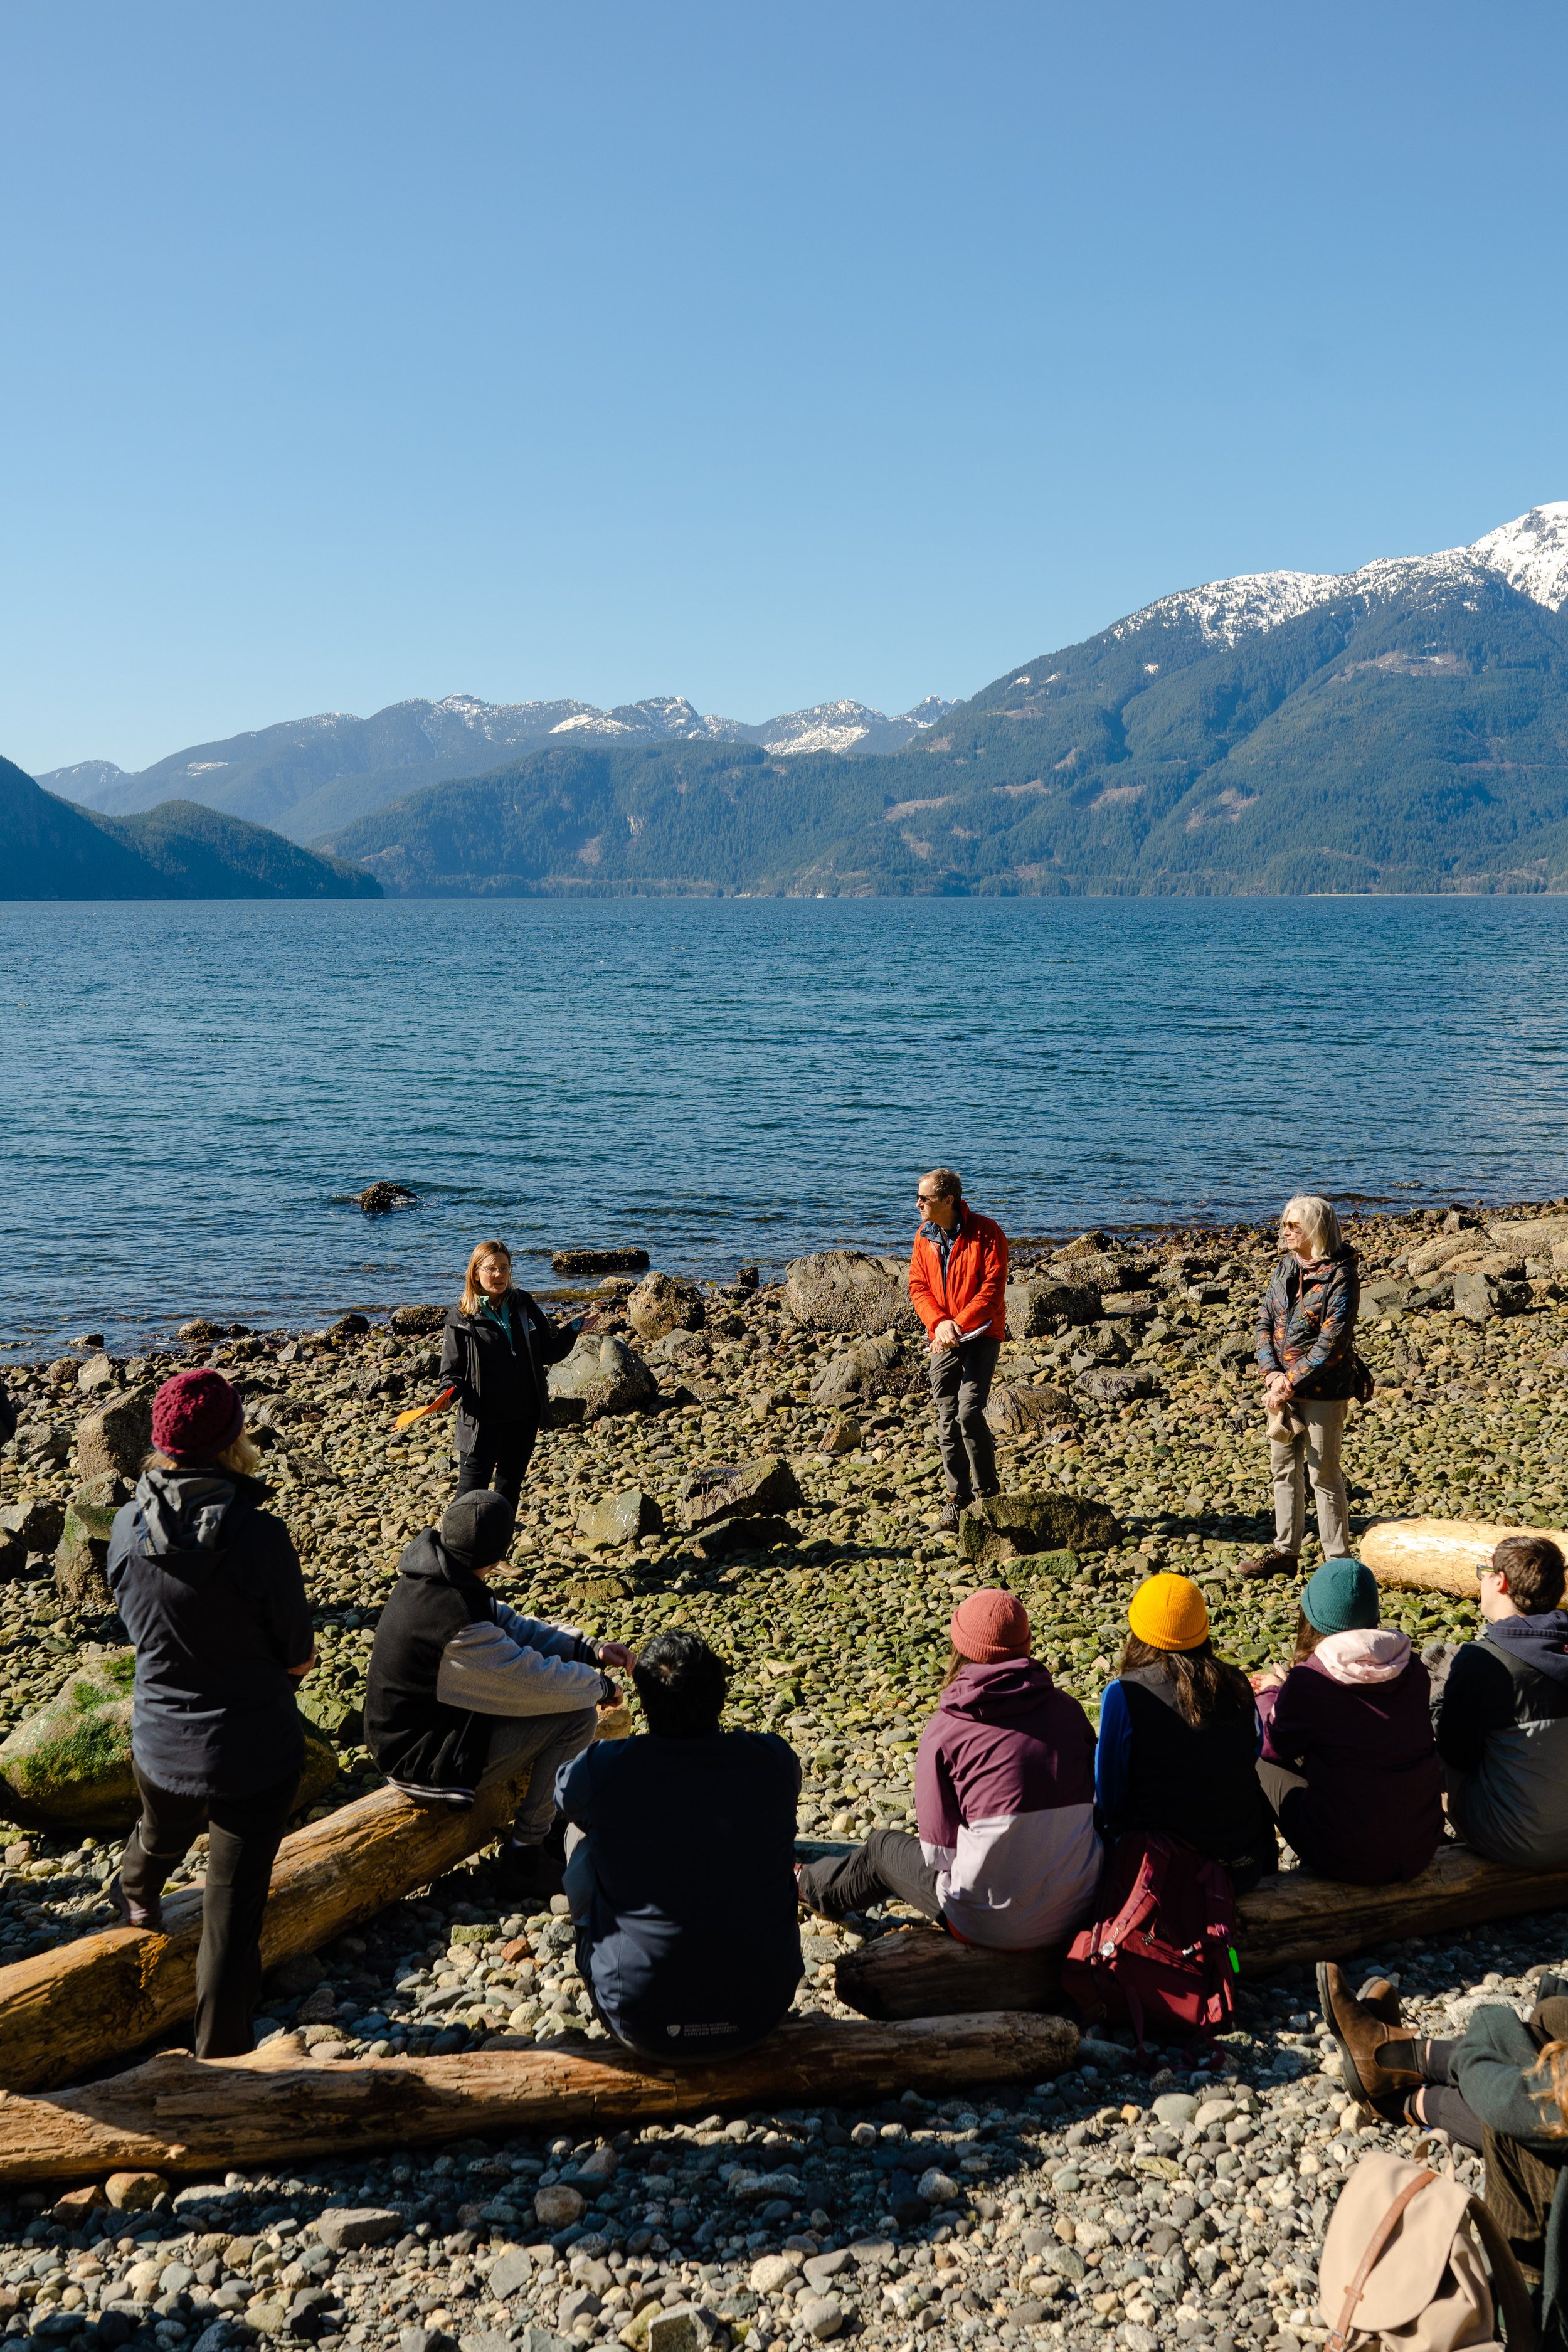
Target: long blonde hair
[[1319, 1220], [241, 1457], [473, 1298]]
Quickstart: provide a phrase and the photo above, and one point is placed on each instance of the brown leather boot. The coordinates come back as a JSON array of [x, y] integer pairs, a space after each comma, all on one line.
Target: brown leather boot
[[1377, 2056], [1269, 1563]]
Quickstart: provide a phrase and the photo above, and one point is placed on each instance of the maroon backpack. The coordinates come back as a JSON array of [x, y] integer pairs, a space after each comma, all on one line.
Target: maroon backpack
[[1161, 1959]]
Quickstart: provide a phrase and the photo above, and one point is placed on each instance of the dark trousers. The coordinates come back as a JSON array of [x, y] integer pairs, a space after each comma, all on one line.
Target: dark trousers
[[961, 1381], [891, 1863], [243, 1833], [500, 1459]]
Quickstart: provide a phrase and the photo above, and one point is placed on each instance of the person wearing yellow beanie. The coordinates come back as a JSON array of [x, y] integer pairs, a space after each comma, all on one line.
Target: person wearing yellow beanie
[[1179, 1737]]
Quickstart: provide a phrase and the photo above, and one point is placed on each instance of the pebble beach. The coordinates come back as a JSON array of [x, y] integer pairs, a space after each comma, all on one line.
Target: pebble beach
[[1115, 2205]]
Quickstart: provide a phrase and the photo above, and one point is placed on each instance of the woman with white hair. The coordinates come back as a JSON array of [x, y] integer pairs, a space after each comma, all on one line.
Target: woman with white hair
[[1306, 1348]]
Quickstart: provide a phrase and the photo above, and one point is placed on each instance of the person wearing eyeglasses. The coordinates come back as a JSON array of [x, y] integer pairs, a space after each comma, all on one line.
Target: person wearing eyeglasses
[[1501, 1715], [958, 1282]]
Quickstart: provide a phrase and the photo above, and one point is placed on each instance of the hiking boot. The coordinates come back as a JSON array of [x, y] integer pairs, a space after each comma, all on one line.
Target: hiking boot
[[953, 1510], [135, 1915], [1377, 2057], [527, 1869], [1269, 1563]]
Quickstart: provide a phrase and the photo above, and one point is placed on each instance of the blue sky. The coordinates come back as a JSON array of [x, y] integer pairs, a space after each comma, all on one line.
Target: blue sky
[[762, 354]]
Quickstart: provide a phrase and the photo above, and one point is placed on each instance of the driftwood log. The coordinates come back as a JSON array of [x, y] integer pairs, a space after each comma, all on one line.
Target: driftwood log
[[1437, 1555], [64, 2012], [919, 1972], [177, 2115]]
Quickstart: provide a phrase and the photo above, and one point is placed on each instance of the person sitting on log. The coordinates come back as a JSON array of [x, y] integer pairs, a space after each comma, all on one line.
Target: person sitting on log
[[208, 1587], [1502, 2088], [1349, 1763], [680, 1867], [1502, 1713], [461, 1688], [1179, 1737], [1007, 1855]]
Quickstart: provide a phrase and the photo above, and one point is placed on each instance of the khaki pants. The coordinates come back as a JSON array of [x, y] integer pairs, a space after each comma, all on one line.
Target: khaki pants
[[1315, 1453]]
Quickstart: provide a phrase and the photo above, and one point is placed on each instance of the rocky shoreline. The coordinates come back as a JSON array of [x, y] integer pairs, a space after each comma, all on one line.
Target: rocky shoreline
[[1077, 2213]]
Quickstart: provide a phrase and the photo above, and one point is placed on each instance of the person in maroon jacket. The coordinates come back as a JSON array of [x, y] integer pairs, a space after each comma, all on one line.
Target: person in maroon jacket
[[958, 1284], [1349, 1763]]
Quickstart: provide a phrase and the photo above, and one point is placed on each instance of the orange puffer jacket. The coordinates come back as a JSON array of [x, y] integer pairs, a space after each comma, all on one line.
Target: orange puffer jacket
[[974, 1292]]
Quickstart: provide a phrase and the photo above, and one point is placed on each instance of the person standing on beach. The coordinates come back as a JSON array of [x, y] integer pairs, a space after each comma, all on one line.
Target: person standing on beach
[[1305, 1351], [496, 1350], [209, 1589], [958, 1278]]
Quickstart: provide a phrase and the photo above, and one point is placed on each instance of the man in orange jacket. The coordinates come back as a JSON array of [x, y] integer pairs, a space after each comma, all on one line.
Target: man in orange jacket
[[958, 1281]]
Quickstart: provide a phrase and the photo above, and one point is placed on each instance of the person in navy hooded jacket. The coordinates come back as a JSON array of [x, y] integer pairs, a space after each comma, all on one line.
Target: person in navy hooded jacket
[[1502, 1713], [680, 1867], [1007, 1855]]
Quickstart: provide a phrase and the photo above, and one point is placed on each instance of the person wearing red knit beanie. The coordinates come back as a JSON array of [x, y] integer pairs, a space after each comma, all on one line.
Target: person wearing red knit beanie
[[209, 1589], [1007, 1855]]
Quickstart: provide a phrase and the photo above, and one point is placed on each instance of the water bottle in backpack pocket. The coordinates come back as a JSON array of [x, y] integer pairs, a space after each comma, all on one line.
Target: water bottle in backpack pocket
[[1160, 1957]]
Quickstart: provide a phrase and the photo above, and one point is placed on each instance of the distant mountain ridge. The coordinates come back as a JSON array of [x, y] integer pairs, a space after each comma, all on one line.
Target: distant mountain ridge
[[1401, 727], [51, 849], [307, 776]]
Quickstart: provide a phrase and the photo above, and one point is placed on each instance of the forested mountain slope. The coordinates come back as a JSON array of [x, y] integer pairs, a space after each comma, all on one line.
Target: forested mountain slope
[[1402, 728]]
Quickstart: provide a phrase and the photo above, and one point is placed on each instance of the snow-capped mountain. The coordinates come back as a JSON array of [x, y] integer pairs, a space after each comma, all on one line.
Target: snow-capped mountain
[[307, 776], [1530, 553]]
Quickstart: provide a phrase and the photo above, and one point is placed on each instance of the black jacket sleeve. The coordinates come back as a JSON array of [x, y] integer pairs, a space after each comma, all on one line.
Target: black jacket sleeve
[[7, 1417], [1477, 1700], [454, 1372], [552, 1343]]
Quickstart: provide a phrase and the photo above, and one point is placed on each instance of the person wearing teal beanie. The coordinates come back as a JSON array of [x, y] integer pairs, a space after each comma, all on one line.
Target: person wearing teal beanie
[[1349, 1763], [1341, 1598]]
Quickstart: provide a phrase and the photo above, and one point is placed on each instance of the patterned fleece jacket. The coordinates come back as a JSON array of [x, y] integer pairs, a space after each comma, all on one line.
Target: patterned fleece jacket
[[1005, 1800]]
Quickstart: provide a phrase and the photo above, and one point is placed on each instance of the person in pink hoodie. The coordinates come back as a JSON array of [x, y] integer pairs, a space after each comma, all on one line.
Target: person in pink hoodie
[[1349, 1763], [1007, 1855]]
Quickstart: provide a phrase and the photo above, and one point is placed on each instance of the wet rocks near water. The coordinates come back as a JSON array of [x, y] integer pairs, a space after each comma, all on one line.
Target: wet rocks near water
[[380, 1200], [1037, 1307], [586, 1261], [844, 1290], [417, 1318]]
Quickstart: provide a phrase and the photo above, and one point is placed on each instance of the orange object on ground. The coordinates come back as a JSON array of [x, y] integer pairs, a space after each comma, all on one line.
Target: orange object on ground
[[974, 1293], [421, 1411]]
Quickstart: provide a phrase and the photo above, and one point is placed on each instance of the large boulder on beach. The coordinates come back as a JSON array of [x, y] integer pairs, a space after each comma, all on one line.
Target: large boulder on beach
[[1021, 1411], [664, 1302], [113, 1440], [883, 1365], [1040, 1305], [739, 1490], [602, 1376], [1014, 1527], [68, 1766], [844, 1290], [83, 1552]]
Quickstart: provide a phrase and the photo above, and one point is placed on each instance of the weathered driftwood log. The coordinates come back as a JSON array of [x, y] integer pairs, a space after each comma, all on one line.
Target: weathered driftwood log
[[1295, 1917], [65, 2010], [177, 2115], [1437, 1555]]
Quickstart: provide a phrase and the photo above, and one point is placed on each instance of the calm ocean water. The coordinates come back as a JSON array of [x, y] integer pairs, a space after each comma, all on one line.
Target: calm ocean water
[[190, 1092]]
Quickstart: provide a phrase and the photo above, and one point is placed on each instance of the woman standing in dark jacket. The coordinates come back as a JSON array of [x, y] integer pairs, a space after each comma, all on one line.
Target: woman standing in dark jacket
[[1305, 1351], [1179, 1737], [497, 1348], [1349, 1762], [208, 1588]]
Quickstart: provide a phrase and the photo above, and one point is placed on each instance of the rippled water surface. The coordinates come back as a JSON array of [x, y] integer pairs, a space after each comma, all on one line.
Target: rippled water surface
[[189, 1094]]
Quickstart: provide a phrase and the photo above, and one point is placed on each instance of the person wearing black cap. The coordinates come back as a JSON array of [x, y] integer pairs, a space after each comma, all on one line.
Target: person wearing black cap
[[208, 1587], [461, 1687]]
